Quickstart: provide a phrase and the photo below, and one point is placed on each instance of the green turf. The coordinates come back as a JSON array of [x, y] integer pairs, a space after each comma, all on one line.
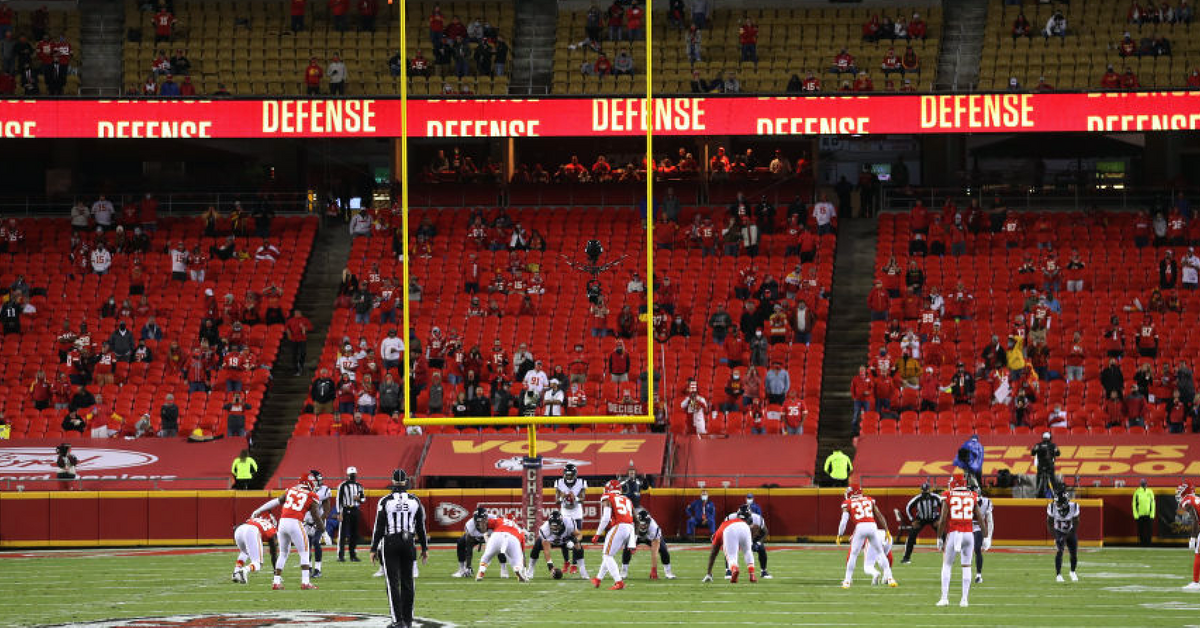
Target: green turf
[[1118, 587]]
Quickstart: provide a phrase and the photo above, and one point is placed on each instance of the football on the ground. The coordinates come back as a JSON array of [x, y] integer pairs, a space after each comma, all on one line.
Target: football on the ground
[[557, 573]]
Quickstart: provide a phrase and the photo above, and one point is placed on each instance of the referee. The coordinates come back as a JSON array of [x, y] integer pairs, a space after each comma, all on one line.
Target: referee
[[350, 498], [922, 510], [400, 520]]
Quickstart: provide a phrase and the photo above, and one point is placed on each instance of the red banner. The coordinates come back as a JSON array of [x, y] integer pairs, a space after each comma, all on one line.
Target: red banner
[[375, 457], [109, 464], [901, 460], [499, 455], [576, 117], [745, 461]]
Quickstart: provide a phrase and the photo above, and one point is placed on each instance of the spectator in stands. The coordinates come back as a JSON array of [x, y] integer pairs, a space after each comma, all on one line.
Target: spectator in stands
[[1056, 26], [891, 62], [336, 71], [615, 20], [180, 64], [730, 85], [701, 513], [1110, 80], [824, 215], [164, 22], [1127, 47], [693, 40], [910, 63], [623, 64], [1129, 80], [10, 316], [917, 28], [312, 77], [862, 392], [778, 383], [602, 67], [843, 63], [323, 392], [748, 39], [500, 56], [73, 423], [296, 333], [168, 88], [1135, 407], [297, 12], [168, 415], [863, 83]]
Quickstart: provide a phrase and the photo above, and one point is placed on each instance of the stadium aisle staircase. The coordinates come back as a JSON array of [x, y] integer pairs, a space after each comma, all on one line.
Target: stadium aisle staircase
[[102, 37], [848, 334], [962, 45], [284, 403], [533, 47]]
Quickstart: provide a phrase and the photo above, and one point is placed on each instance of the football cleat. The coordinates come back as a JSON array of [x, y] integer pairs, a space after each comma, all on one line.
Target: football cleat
[[767, 575], [706, 578], [892, 583], [479, 576], [727, 573], [670, 576], [963, 603], [574, 569], [733, 575], [237, 577], [753, 577], [875, 578], [978, 578], [521, 577], [845, 584], [624, 571], [379, 573], [1074, 578], [316, 573], [1059, 578], [461, 573], [1192, 586], [943, 602], [278, 586], [618, 586], [906, 561], [307, 586], [596, 582]]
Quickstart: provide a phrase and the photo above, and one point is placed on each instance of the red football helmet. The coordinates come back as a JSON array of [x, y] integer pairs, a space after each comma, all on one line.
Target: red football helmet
[[957, 481], [613, 486], [854, 490], [1185, 489]]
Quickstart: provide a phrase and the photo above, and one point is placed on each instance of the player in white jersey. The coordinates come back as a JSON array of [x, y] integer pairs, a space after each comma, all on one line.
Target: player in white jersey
[[555, 531], [506, 537], [249, 538], [873, 559], [960, 510], [734, 538], [570, 490], [317, 535], [294, 504], [647, 532], [757, 543], [868, 520], [1062, 518], [985, 507]]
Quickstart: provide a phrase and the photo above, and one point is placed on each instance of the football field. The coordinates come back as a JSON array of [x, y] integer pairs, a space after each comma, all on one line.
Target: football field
[[1117, 587]]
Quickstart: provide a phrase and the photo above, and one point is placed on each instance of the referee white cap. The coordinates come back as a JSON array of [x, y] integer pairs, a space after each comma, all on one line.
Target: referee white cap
[[351, 470]]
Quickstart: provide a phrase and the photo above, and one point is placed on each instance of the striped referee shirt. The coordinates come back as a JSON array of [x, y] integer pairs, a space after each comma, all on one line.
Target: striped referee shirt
[[924, 507], [350, 495], [400, 513]]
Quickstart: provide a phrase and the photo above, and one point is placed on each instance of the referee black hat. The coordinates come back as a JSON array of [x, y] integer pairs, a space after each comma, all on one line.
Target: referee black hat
[[399, 480]]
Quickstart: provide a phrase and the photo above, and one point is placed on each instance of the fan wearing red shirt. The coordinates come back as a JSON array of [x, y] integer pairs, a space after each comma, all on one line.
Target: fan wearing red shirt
[[603, 66], [795, 413], [338, 9], [891, 62], [1129, 80], [296, 333], [164, 21], [297, 10], [862, 391], [437, 25], [312, 76], [1110, 80], [1193, 79], [748, 38], [367, 10]]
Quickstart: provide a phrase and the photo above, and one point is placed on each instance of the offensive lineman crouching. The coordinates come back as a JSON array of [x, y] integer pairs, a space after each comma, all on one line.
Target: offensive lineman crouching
[[647, 532], [475, 534], [249, 538], [557, 531], [734, 536]]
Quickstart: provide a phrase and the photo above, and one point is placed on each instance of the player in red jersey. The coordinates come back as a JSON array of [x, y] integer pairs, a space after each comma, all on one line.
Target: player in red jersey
[[735, 537], [506, 538], [299, 500], [616, 522], [868, 519], [1189, 504], [249, 538], [956, 533]]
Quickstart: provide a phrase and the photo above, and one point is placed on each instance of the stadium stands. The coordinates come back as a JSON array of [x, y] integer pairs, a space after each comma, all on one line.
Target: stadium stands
[[1078, 61], [789, 42], [251, 48], [54, 59], [997, 271], [63, 297]]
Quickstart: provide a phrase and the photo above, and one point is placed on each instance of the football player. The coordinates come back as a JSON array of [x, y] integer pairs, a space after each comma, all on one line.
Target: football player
[[249, 538], [569, 490], [1062, 518], [616, 522], [960, 506], [985, 506], [871, 559], [506, 538], [758, 543], [298, 500], [647, 532], [868, 519], [317, 535], [556, 531], [475, 534], [734, 537], [1189, 505]]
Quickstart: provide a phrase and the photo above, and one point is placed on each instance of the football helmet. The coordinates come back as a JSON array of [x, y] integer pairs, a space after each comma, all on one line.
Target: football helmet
[[854, 490], [1185, 489], [316, 477], [570, 472], [744, 513], [957, 481], [556, 522], [481, 518], [613, 486]]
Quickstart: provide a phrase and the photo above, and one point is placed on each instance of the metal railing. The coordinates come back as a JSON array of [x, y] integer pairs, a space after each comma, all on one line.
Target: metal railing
[[1028, 197], [171, 204]]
